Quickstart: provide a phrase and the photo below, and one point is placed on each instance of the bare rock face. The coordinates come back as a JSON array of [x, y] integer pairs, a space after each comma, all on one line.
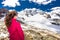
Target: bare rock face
[[56, 21], [30, 34], [47, 16]]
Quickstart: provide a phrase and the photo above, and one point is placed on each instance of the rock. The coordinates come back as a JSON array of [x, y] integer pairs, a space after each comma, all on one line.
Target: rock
[[30, 33], [4, 35], [33, 35], [56, 21], [47, 16]]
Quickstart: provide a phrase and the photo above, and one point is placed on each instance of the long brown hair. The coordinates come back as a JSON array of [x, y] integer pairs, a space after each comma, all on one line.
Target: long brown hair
[[9, 16]]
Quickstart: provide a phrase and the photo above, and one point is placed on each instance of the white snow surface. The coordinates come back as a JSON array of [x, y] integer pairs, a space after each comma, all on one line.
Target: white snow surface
[[39, 21]]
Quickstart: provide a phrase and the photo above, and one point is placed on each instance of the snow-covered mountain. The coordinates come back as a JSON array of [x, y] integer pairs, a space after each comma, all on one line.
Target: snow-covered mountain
[[55, 15], [39, 20]]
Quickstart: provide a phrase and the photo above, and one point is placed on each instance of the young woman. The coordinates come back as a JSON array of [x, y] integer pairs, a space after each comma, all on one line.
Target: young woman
[[13, 26]]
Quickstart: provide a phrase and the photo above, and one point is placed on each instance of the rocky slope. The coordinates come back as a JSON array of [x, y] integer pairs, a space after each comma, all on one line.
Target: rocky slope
[[31, 33]]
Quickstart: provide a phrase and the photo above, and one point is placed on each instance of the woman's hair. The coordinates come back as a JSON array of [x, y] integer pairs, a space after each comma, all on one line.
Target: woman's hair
[[9, 16]]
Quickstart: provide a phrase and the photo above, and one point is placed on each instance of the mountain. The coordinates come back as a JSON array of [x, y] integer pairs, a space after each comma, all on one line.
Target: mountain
[[41, 19], [3, 12], [36, 26]]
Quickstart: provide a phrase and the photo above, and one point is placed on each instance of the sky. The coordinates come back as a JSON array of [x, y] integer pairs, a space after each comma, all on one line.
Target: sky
[[18, 5]]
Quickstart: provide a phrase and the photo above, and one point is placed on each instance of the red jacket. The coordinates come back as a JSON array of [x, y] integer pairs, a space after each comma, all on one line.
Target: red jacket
[[15, 31]]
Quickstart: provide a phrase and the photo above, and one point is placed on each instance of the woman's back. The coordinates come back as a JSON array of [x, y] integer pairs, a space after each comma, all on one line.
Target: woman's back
[[15, 31], [14, 27]]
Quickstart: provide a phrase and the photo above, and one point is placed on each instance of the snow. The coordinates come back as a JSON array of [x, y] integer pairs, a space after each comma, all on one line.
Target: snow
[[55, 10], [54, 16], [39, 21], [2, 19]]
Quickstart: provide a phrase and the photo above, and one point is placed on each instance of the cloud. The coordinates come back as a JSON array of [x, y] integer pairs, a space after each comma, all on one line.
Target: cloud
[[44, 2], [11, 3]]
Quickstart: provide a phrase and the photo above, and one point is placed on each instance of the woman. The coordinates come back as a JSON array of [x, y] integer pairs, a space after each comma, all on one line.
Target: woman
[[13, 26]]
